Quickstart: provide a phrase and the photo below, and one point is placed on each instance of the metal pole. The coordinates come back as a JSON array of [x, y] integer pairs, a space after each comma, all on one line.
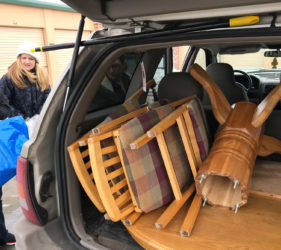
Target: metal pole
[[205, 26], [74, 59]]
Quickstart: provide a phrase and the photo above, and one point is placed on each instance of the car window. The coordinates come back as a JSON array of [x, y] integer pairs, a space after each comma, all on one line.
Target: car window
[[201, 58], [159, 74], [160, 71], [179, 54], [116, 82], [255, 63]]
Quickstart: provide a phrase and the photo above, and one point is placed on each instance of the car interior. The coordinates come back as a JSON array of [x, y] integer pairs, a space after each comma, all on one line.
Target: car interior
[[245, 69]]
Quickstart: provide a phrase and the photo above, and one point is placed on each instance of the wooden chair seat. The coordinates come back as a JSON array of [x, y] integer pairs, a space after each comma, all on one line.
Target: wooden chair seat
[[189, 121], [105, 155], [118, 197]]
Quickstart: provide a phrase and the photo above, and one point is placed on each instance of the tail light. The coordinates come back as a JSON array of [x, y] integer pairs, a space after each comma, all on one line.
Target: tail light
[[25, 182]]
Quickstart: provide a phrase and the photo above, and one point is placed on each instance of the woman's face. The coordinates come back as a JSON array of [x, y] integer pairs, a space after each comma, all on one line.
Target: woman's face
[[28, 62]]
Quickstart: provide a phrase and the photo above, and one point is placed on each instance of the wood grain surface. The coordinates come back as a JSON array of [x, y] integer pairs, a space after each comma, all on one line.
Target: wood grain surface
[[256, 226]]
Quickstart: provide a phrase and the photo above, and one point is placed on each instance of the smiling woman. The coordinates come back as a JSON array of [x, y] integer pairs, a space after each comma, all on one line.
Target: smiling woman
[[26, 85], [27, 61]]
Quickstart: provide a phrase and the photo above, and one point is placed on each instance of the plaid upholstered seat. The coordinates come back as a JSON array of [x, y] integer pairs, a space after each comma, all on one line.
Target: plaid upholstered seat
[[200, 126], [176, 145], [145, 167]]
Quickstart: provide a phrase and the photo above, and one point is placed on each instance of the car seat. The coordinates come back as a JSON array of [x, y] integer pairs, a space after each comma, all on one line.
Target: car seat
[[177, 85], [223, 76]]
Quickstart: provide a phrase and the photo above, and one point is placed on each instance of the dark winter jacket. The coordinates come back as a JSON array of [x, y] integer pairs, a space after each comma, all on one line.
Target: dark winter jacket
[[5, 110], [25, 102]]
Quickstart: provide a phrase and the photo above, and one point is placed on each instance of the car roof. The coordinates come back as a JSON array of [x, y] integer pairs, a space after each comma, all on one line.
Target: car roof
[[123, 11]]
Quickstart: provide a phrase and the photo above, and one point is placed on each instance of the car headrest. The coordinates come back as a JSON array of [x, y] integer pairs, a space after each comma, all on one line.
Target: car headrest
[[177, 85], [223, 76], [221, 73]]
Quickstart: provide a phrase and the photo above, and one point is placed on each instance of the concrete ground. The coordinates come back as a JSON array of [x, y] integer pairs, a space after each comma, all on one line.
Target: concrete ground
[[12, 211]]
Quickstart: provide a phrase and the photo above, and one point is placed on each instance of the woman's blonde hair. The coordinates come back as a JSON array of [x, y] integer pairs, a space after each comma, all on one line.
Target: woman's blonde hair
[[16, 73]]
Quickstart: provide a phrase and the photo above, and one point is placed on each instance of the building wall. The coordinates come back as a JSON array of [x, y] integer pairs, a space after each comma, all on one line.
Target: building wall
[[43, 26]]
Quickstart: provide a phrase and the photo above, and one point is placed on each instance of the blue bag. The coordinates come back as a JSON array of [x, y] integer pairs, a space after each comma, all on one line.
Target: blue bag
[[13, 134]]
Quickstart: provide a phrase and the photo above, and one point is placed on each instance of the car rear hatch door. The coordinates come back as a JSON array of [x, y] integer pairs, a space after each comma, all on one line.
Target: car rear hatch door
[[114, 12]]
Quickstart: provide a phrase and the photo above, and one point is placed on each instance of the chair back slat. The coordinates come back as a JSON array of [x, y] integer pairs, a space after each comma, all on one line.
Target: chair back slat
[[108, 150], [114, 174], [111, 161], [85, 153], [123, 198], [121, 184]]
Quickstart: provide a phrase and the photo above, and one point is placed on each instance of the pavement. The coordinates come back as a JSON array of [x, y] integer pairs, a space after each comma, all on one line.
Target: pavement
[[11, 208]]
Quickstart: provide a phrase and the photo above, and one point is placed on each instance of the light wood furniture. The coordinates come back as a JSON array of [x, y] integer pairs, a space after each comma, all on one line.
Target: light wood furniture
[[106, 169], [232, 158], [266, 178], [220, 106], [265, 108], [112, 184], [82, 166], [109, 177], [79, 152], [256, 226], [79, 155], [180, 117], [224, 177]]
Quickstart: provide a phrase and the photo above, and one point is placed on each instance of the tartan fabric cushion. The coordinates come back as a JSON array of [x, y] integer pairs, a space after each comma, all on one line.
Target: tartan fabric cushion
[[178, 156], [200, 126], [145, 167]]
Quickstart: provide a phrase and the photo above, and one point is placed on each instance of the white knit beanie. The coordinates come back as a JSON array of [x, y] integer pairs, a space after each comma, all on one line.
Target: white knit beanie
[[25, 47]]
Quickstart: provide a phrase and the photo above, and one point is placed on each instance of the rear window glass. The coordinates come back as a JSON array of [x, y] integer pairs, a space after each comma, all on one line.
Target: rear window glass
[[116, 82]]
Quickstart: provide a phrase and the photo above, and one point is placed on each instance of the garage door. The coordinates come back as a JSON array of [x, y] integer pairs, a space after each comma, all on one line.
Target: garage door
[[10, 40], [64, 56]]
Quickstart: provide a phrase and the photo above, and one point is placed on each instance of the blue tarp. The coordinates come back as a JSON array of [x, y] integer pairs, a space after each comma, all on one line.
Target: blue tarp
[[13, 134]]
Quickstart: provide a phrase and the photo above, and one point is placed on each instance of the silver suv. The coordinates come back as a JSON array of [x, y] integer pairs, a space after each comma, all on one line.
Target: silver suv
[[150, 40]]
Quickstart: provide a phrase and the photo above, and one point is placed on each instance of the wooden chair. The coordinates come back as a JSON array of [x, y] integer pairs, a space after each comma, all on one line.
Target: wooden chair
[[183, 117], [78, 150], [118, 197], [79, 155], [104, 153]]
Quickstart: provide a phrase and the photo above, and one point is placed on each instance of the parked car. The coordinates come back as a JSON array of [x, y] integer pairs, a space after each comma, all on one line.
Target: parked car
[[156, 38]]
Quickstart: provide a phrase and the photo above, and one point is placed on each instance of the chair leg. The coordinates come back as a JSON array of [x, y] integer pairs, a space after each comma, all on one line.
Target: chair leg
[[191, 216], [173, 208], [132, 218]]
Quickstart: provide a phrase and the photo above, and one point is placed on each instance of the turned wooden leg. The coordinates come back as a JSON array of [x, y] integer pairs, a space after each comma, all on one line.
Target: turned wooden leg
[[269, 145], [221, 107]]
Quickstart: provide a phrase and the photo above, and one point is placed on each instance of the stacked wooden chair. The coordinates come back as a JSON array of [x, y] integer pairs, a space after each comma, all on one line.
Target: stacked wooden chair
[[78, 150], [149, 160]]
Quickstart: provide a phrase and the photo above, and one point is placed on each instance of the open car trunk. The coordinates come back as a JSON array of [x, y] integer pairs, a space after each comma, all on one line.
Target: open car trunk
[[82, 191], [256, 225]]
